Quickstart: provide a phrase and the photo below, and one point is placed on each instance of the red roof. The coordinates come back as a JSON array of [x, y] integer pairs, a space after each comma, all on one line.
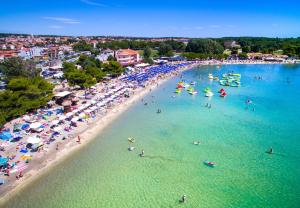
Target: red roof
[[127, 52]]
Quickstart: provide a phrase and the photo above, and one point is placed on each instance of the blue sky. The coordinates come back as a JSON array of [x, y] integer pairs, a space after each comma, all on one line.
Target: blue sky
[[152, 18]]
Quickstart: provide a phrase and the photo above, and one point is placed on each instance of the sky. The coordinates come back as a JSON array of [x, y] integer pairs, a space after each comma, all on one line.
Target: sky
[[152, 18]]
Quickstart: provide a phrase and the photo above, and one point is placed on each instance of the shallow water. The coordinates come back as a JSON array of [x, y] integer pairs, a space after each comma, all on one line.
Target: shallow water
[[106, 174]]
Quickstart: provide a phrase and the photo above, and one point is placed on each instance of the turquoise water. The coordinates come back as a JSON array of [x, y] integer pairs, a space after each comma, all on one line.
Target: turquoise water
[[106, 174]]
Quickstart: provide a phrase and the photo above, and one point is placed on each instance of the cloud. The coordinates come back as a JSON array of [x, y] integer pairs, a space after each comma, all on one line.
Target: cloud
[[198, 28], [214, 26], [55, 26], [231, 26], [62, 20], [93, 3]]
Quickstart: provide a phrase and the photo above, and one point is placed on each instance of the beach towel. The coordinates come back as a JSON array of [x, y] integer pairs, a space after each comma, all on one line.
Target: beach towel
[[24, 151]]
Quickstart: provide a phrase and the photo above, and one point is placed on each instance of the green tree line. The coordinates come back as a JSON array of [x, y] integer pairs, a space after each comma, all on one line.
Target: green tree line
[[25, 91]]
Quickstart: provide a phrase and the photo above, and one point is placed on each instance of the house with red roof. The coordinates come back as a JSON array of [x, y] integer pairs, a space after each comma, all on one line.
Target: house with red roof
[[127, 57]]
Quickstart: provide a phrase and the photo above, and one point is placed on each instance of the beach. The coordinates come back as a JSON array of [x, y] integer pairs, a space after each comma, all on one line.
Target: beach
[[71, 146]]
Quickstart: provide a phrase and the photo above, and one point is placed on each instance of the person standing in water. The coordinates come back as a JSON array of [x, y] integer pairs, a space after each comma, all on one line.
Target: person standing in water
[[183, 199], [270, 151], [142, 153]]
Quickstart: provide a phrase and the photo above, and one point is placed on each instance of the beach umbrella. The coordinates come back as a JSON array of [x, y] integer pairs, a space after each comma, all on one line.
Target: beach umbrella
[[26, 157], [57, 129], [81, 108], [54, 122], [17, 127], [35, 125], [25, 126], [94, 108], [75, 119], [88, 111], [33, 140], [26, 118], [5, 136], [61, 118], [66, 103], [82, 115], [68, 115], [3, 161]]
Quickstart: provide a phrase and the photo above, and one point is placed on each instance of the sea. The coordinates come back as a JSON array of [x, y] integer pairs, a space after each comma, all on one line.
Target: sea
[[234, 132]]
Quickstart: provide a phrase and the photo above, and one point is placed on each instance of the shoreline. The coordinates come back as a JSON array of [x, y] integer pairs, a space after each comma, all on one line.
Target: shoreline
[[89, 134]]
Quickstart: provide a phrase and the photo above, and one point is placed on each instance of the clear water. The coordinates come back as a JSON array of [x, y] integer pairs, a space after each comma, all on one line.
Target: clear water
[[106, 174]]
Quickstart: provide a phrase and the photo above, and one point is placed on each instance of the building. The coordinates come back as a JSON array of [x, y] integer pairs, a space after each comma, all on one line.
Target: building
[[36, 52], [105, 54], [231, 44], [127, 57], [8, 54]]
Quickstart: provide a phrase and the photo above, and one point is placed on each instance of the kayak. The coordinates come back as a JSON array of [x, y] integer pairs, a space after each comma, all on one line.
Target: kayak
[[223, 94], [221, 90], [209, 163], [193, 92], [209, 94]]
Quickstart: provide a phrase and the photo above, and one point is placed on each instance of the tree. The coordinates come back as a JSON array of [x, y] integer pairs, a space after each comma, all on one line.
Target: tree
[[80, 78], [111, 58], [95, 72], [246, 49], [82, 46], [113, 68], [243, 56], [16, 67], [207, 46], [165, 50], [147, 53], [23, 95]]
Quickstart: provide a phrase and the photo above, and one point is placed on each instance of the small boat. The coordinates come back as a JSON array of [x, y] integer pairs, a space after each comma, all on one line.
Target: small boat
[[178, 91], [209, 163], [216, 78], [186, 86], [221, 90], [193, 92], [131, 148], [223, 94], [190, 89], [234, 84], [207, 89], [209, 94], [235, 75], [130, 139], [196, 142], [210, 76], [193, 83]]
